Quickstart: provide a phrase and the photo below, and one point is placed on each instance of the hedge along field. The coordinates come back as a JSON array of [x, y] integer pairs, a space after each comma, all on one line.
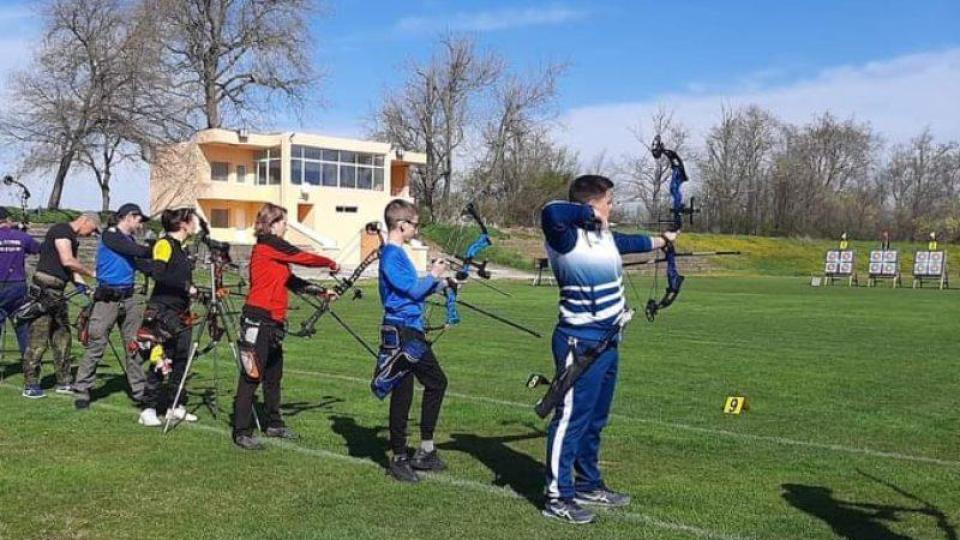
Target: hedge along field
[[852, 431]]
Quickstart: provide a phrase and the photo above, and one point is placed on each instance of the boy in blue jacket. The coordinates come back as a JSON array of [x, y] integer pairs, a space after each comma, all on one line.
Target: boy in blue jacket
[[585, 257], [404, 350]]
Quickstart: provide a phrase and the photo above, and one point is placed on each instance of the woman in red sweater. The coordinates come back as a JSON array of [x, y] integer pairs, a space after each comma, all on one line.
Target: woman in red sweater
[[263, 321]]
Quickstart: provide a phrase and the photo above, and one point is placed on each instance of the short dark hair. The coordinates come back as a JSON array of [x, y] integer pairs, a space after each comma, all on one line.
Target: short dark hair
[[399, 210], [588, 187], [171, 220]]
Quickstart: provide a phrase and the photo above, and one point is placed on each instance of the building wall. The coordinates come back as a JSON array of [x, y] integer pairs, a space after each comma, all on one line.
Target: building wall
[[182, 175]]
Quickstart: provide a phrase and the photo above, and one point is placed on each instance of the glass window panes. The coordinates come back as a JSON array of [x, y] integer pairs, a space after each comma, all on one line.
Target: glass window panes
[[296, 151], [378, 179], [296, 171], [364, 178], [219, 171], [378, 161], [311, 173], [365, 159], [329, 175], [331, 155], [312, 153], [348, 176], [348, 157], [241, 174], [261, 173], [274, 171]]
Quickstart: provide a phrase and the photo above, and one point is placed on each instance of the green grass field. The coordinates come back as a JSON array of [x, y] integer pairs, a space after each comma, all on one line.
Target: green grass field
[[852, 431]]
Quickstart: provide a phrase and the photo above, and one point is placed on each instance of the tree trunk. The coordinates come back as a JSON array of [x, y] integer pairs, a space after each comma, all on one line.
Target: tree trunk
[[105, 193], [53, 203], [212, 105]]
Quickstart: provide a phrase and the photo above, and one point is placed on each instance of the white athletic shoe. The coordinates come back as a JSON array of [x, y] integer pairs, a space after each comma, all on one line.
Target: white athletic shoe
[[180, 413], [149, 418]]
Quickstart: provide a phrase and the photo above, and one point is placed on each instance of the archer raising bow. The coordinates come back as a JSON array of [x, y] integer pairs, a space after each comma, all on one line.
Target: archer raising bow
[[585, 257]]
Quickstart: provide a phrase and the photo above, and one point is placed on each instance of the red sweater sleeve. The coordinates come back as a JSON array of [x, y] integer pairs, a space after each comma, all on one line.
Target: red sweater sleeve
[[282, 251]]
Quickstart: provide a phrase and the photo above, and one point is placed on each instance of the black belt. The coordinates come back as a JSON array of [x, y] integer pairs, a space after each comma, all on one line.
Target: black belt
[[105, 293]]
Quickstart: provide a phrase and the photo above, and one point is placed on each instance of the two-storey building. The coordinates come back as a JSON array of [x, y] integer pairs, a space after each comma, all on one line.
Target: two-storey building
[[330, 186]]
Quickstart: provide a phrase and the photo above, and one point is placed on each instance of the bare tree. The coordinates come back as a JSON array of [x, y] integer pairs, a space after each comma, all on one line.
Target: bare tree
[[735, 169], [924, 180], [95, 75], [235, 59], [643, 177], [430, 112], [817, 165]]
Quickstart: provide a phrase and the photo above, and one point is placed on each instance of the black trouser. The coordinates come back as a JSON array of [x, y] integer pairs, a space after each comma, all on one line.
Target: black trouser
[[434, 381], [269, 350], [156, 394]]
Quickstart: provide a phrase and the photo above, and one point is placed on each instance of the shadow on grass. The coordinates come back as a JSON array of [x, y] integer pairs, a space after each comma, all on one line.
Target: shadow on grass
[[362, 442], [859, 520], [511, 468]]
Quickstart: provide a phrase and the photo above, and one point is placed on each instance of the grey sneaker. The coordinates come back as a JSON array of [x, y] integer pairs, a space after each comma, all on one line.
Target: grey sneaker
[[281, 433], [247, 442], [66, 389], [427, 461], [567, 510], [401, 470], [602, 496]]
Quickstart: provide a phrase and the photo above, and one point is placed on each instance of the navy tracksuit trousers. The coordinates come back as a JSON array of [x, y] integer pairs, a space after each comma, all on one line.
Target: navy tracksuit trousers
[[573, 441]]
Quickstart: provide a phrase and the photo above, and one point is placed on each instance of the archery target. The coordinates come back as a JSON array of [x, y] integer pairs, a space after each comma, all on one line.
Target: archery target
[[890, 269], [876, 268], [876, 256], [846, 256], [839, 262], [890, 256], [883, 263], [833, 256], [928, 264], [831, 268]]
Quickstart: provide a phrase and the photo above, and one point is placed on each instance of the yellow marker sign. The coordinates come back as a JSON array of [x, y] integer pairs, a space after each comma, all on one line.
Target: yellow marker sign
[[735, 405]]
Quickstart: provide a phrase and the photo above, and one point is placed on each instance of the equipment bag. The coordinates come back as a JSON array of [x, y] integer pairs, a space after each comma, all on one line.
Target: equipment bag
[[83, 324], [247, 345]]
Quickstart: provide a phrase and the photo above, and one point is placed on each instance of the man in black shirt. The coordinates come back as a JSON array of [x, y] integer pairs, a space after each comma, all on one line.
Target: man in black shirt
[[58, 265]]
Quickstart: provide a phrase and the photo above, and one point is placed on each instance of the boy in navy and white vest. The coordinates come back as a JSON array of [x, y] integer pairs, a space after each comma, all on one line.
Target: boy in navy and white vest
[[585, 257]]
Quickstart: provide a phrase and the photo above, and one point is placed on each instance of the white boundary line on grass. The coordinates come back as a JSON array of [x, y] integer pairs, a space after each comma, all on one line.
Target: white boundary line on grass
[[687, 427], [439, 478]]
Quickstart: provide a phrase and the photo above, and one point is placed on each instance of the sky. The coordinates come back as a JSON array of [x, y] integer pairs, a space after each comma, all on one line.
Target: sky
[[893, 64]]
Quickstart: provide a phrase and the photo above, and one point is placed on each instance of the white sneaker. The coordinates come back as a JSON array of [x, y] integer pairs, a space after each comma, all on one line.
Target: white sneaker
[[149, 418], [180, 413]]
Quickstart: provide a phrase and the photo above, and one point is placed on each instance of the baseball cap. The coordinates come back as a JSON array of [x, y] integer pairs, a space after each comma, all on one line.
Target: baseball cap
[[131, 208]]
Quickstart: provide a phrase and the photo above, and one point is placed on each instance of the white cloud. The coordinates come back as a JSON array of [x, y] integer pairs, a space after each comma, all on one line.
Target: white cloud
[[486, 21], [899, 97]]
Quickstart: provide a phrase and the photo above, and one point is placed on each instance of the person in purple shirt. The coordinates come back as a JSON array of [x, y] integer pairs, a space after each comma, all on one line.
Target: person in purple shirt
[[15, 245]]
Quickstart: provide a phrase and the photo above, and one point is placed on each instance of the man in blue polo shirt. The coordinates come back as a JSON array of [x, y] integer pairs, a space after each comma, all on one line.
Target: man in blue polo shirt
[[15, 245], [118, 258]]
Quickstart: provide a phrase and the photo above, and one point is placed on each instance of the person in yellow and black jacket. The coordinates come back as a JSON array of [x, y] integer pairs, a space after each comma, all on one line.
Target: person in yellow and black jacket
[[165, 335]]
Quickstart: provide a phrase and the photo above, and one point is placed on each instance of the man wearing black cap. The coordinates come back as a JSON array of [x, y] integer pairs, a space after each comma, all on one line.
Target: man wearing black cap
[[58, 265], [118, 258]]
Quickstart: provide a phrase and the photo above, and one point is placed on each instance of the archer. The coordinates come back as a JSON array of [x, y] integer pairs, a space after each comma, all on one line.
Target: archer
[[585, 257], [404, 350], [263, 323]]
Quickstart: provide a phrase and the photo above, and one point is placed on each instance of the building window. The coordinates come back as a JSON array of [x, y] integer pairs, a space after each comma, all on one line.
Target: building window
[[346, 209], [335, 168], [268, 167], [219, 171], [220, 218], [241, 174]]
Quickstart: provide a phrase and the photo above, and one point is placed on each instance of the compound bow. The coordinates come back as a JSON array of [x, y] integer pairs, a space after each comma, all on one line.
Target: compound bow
[[24, 200], [309, 325], [678, 209], [465, 263]]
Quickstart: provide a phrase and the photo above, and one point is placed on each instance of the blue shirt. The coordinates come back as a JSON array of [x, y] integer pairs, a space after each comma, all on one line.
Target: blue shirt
[[402, 292], [587, 264], [116, 258]]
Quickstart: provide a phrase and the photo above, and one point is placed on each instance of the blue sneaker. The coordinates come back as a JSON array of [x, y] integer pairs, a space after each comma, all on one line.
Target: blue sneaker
[[33, 391]]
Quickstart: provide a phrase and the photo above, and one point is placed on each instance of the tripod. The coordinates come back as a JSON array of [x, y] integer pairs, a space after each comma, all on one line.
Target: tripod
[[217, 318]]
